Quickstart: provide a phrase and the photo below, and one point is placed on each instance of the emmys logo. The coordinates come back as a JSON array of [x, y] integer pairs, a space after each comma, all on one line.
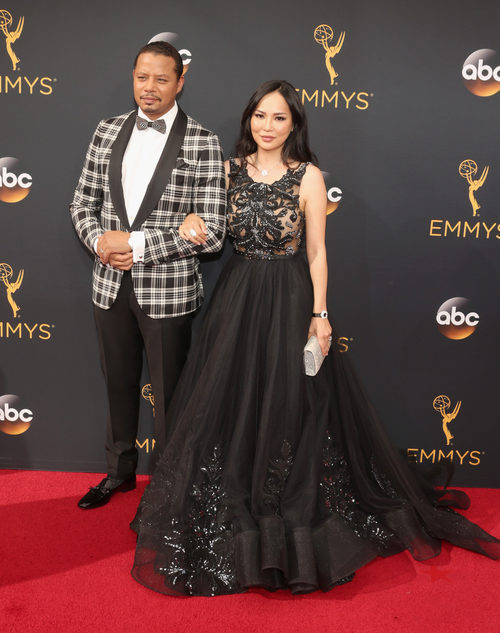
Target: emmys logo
[[442, 404], [481, 72], [11, 36], [14, 419], [148, 444], [463, 229], [14, 186], [41, 331], [334, 195], [6, 274], [19, 83], [175, 40], [147, 394], [338, 98], [467, 169], [455, 321], [323, 34]]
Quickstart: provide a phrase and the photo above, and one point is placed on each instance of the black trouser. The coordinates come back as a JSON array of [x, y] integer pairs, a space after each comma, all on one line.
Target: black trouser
[[123, 331]]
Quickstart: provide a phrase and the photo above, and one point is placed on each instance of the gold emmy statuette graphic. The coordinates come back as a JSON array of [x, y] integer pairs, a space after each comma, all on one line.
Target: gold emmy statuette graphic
[[147, 394], [11, 36], [323, 34], [442, 404], [6, 273], [467, 169]]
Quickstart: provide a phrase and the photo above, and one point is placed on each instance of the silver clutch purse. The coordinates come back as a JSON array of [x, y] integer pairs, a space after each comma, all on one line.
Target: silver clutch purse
[[313, 357]]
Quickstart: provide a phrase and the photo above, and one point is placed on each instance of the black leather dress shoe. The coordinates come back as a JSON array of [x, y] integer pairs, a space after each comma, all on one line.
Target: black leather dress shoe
[[102, 493]]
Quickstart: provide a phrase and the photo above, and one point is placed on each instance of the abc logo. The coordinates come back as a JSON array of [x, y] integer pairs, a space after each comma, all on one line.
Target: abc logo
[[15, 185], [455, 320], [14, 419], [481, 72], [175, 40], [333, 194]]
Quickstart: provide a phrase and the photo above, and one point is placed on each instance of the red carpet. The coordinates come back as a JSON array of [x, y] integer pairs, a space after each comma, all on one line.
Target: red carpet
[[67, 570]]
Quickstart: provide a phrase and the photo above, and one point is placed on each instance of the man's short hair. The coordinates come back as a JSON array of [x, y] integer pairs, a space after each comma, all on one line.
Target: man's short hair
[[163, 48]]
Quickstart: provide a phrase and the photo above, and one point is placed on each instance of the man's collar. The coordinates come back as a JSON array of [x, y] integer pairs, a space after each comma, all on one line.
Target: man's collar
[[168, 116]]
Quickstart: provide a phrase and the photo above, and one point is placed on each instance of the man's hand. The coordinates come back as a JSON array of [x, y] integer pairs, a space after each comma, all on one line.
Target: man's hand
[[122, 261], [113, 242]]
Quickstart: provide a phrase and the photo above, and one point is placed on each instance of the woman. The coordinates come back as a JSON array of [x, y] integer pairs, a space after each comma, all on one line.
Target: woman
[[272, 478]]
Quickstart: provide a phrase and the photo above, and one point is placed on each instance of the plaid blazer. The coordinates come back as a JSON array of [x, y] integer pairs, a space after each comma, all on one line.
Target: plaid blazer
[[189, 178]]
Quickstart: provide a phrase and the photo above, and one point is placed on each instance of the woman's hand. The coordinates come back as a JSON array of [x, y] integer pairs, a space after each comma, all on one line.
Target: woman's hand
[[322, 330], [193, 229]]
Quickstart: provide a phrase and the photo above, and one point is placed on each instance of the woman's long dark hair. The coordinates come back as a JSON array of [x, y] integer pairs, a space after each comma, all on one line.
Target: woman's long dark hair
[[296, 147]]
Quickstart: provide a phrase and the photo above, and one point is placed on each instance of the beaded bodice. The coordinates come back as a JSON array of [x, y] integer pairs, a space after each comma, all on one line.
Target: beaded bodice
[[264, 220]]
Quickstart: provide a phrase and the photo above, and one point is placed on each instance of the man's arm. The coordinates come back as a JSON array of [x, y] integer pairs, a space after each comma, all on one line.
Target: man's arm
[[87, 200], [209, 202]]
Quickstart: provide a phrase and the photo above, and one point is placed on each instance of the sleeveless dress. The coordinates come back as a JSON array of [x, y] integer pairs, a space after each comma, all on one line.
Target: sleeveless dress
[[271, 478]]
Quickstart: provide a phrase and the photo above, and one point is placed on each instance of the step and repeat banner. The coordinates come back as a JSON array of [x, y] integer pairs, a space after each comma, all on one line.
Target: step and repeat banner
[[403, 105]]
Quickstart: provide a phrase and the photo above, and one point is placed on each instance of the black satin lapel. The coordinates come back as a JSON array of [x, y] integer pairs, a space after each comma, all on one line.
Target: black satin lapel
[[115, 168], [163, 170]]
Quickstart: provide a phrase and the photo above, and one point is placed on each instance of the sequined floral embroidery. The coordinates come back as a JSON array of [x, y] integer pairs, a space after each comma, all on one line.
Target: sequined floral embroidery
[[265, 221], [336, 490], [198, 553]]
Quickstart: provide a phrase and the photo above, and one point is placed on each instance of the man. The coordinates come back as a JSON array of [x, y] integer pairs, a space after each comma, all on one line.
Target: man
[[145, 172]]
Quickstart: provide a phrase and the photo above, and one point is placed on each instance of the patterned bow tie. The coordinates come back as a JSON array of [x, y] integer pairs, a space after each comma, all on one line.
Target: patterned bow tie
[[159, 125]]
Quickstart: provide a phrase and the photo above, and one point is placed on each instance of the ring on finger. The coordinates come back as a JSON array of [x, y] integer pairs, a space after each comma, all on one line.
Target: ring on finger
[[192, 232]]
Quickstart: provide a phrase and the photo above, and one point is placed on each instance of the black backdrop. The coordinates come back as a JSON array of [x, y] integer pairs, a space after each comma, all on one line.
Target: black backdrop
[[391, 135]]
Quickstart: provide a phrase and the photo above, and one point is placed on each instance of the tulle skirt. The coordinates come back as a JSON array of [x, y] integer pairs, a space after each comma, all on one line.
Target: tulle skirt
[[271, 478]]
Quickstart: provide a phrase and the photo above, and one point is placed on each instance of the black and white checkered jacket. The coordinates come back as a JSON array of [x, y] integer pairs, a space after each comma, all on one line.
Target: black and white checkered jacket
[[189, 178]]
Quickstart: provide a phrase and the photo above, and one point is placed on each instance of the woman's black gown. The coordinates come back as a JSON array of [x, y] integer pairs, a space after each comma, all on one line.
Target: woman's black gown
[[271, 478]]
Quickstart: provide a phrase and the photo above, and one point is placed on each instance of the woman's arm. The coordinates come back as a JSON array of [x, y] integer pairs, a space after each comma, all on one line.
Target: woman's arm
[[313, 201], [193, 222]]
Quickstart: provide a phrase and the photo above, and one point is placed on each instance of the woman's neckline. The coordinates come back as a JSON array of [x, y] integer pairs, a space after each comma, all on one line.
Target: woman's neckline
[[262, 182]]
